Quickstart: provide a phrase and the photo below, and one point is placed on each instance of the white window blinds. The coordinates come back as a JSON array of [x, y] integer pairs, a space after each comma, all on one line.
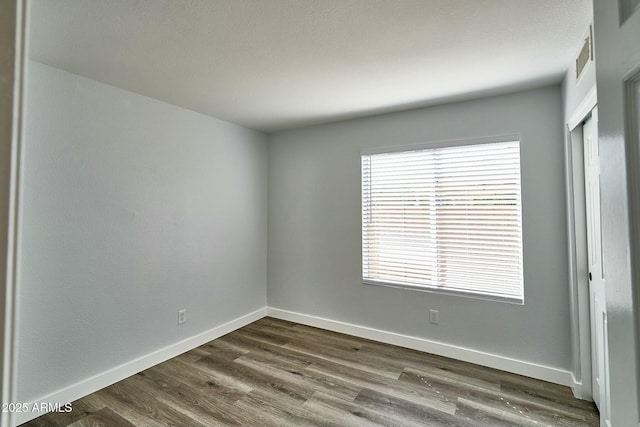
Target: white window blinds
[[444, 218]]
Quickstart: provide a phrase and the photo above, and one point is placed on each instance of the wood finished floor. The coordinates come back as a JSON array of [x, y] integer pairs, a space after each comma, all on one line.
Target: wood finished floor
[[277, 373]]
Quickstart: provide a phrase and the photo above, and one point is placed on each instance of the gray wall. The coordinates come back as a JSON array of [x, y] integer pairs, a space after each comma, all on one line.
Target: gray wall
[[314, 228], [132, 209]]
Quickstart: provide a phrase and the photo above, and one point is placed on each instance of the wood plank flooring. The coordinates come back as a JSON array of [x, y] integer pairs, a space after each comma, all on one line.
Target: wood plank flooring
[[277, 373]]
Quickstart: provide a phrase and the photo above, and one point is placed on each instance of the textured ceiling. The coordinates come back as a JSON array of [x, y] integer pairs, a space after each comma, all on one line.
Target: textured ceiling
[[276, 64]]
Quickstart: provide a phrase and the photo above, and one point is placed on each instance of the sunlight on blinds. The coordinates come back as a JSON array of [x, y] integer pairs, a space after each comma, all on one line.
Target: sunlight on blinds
[[445, 218]]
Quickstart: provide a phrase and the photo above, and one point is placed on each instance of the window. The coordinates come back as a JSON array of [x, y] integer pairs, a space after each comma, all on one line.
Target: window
[[446, 218]]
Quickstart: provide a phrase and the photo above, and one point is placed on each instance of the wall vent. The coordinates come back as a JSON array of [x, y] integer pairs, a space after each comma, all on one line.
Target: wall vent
[[585, 55]]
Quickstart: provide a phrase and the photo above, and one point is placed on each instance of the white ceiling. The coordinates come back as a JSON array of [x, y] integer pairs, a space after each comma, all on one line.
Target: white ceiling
[[276, 64]]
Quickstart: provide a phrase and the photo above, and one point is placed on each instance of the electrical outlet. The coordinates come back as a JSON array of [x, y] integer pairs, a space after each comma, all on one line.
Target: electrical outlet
[[434, 317], [182, 316]]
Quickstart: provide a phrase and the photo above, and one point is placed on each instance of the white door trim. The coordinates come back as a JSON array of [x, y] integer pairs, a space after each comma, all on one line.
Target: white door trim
[[583, 109], [10, 182], [577, 248]]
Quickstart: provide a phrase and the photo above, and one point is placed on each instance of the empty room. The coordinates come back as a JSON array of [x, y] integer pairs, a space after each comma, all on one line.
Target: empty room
[[320, 212]]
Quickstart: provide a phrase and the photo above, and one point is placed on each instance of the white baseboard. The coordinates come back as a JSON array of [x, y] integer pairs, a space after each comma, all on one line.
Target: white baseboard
[[579, 391], [576, 388], [521, 367], [125, 370]]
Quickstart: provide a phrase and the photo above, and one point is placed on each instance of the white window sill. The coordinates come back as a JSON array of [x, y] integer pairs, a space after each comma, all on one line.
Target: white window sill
[[444, 291]]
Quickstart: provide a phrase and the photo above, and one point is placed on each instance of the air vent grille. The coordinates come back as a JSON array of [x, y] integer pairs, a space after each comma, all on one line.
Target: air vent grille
[[585, 55]]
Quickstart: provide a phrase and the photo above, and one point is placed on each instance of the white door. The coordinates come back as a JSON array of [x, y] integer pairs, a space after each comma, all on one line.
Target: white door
[[598, 307], [616, 30]]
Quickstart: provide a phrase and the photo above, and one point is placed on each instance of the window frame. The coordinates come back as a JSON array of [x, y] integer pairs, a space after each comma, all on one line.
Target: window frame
[[436, 145]]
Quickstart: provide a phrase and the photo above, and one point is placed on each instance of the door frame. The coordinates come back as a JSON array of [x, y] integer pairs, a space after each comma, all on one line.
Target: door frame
[[13, 69], [577, 247], [631, 94]]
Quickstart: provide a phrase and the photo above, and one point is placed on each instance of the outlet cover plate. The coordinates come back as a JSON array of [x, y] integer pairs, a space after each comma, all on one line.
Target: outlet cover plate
[[434, 317], [182, 316]]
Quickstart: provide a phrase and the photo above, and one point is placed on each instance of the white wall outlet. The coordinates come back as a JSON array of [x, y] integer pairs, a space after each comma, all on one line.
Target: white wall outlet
[[182, 316], [434, 317]]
